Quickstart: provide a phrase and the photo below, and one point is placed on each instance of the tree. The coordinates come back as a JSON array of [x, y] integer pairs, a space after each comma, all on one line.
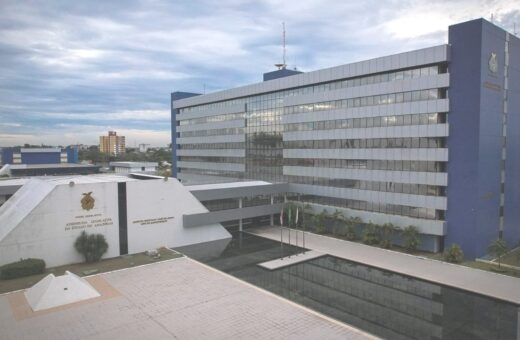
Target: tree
[[92, 246], [319, 221], [498, 248], [306, 210], [387, 232], [337, 217], [371, 235], [411, 240], [350, 232], [454, 254]]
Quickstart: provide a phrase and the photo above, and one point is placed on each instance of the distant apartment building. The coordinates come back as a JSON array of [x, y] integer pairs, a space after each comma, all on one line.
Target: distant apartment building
[[112, 144], [144, 147]]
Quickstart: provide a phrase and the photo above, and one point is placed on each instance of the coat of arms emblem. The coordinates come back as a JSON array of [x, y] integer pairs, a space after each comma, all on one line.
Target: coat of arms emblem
[[493, 62], [87, 202]]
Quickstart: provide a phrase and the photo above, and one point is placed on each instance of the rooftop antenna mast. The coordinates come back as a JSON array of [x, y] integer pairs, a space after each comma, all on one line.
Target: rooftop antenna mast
[[283, 65], [514, 29]]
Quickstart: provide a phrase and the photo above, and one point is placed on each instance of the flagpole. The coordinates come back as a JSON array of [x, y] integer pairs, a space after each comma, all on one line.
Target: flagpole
[[281, 233], [303, 227], [296, 226]]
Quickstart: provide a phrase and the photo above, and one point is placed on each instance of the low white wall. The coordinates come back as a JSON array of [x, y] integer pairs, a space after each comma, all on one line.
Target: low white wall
[[50, 230], [155, 209]]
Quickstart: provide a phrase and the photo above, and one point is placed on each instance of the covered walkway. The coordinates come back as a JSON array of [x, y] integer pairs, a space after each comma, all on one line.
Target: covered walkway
[[474, 280]]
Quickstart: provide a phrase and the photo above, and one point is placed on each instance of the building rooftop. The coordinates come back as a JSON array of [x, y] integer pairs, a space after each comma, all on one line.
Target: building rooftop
[[58, 180], [176, 299], [228, 185], [50, 166], [133, 164]]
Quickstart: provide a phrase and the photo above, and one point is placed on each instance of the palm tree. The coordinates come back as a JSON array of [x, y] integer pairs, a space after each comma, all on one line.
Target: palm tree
[[371, 234], [351, 223], [454, 254], [411, 240], [306, 215], [319, 221], [387, 232], [498, 248], [337, 217]]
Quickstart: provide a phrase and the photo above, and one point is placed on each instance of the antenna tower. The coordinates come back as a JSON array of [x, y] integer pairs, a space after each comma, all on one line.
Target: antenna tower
[[283, 42], [283, 65]]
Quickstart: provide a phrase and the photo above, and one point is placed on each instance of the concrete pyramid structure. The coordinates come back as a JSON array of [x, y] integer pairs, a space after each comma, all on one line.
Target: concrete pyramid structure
[[54, 291]]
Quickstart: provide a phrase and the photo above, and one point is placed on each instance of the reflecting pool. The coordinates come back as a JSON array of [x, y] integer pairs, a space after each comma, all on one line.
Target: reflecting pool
[[386, 304]]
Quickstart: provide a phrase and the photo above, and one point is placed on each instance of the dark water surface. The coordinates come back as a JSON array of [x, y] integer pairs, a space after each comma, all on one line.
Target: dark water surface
[[386, 304]]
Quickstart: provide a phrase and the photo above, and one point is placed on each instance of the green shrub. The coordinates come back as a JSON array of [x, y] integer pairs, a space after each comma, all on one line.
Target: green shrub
[[411, 240], [350, 232], [22, 268], [387, 231], [92, 246], [319, 222], [454, 254], [371, 234], [498, 248]]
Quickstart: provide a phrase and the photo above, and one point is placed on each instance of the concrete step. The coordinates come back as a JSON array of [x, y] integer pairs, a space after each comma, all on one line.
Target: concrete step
[[290, 260]]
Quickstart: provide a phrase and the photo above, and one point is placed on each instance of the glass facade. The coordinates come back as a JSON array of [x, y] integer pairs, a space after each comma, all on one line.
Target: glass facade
[[265, 134], [328, 86]]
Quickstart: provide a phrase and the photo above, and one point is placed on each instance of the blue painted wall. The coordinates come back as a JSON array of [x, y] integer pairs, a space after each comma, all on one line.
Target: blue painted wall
[[464, 94], [41, 157], [512, 189], [475, 141], [72, 154], [7, 156], [174, 111], [280, 74]]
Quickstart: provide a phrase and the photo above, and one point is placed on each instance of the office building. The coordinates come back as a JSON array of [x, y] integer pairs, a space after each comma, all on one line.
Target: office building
[[429, 138], [17, 155], [129, 167], [112, 144], [23, 162]]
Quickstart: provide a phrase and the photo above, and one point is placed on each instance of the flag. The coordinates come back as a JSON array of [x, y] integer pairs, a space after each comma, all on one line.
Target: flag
[[281, 217], [297, 210], [290, 216]]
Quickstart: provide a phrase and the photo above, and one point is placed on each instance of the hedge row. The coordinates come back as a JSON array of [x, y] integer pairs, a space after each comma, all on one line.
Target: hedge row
[[22, 268]]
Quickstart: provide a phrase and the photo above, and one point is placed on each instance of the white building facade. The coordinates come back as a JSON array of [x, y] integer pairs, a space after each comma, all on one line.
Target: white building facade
[[44, 217]]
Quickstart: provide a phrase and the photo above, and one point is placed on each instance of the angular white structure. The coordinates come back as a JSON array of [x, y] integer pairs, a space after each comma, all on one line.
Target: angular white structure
[[54, 291], [45, 216]]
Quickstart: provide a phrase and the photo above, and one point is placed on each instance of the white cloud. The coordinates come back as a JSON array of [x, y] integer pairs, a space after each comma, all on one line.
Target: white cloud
[[86, 66], [11, 124]]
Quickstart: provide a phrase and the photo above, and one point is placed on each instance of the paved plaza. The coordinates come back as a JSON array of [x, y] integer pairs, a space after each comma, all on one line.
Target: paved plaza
[[477, 281], [176, 299]]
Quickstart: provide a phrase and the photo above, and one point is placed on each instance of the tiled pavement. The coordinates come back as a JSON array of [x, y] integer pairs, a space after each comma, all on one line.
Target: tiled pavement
[[178, 299]]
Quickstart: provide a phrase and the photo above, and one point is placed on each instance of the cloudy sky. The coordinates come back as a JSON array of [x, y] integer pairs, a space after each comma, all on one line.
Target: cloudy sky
[[72, 70]]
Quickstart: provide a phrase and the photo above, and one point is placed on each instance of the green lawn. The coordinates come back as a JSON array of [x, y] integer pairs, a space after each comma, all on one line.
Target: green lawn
[[83, 269], [512, 258], [492, 268]]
